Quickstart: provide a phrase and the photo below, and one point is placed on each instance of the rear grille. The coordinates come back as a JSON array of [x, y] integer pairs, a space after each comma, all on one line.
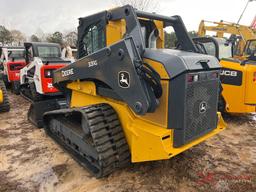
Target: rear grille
[[199, 121], [193, 105]]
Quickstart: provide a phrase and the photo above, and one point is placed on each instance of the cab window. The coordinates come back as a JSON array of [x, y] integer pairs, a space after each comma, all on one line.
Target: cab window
[[94, 39], [251, 47], [149, 32]]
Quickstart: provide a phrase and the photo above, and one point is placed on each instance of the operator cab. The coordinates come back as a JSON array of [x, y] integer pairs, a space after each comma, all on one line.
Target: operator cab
[[250, 49], [48, 52], [150, 33], [96, 32], [222, 48], [217, 47], [11, 53]]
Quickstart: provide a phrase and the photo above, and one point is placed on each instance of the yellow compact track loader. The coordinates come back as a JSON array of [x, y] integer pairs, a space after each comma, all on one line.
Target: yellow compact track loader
[[4, 101], [131, 100]]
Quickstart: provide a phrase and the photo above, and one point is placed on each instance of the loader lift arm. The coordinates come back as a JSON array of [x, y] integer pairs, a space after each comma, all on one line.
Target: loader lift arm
[[122, 57]]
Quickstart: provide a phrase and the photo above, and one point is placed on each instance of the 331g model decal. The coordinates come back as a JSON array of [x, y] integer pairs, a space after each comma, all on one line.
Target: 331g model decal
[[92, 63], [231, 77]]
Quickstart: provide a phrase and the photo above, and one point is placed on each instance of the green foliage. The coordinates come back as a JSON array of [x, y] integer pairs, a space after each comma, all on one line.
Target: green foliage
[[56, 37], [17, 37], [5, 35], [34, 38], [71, 39], [171, 39]]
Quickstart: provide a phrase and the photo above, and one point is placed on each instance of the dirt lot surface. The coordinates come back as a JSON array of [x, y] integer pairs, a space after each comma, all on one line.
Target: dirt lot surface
[[31, 161]]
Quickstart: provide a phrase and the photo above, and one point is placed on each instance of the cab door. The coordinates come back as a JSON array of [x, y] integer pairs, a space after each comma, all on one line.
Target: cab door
[[250, 96]]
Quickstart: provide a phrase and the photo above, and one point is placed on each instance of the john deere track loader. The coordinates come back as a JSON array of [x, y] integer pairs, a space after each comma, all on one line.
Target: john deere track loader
[[4, 101], [129, 98]]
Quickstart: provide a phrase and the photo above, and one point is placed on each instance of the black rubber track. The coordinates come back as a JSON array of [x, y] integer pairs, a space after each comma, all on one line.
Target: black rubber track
[[28, 91], [34, 95], [5, 106], [105, 136]]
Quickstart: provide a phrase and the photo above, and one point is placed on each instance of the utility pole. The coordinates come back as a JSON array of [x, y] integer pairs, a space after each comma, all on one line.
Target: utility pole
[[244, 10]]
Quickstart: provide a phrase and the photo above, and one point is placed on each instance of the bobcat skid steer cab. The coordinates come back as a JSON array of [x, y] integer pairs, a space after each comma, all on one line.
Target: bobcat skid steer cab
[[129, 98], [4, 101], [12, 60], [238, 77], [36, 77]]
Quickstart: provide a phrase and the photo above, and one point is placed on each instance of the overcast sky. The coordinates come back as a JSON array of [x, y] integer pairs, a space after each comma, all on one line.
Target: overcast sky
[[31, 16]]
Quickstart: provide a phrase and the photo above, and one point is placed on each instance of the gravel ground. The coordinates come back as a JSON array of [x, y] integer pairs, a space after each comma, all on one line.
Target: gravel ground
[[31, 161]]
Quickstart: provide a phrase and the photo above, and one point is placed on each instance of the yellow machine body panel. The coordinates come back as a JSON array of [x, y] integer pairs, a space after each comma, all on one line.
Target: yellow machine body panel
[[147, 138], [1, 97], [240, 98], [115, 30], [250, 97]]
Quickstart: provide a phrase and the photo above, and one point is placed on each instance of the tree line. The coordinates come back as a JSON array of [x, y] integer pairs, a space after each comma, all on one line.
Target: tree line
[[16, 37], [70, 38]]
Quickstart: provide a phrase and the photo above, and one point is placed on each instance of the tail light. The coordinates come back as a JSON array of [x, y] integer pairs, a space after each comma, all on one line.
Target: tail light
[[48, 73], [192, 77], [254, 77], [202, 76]]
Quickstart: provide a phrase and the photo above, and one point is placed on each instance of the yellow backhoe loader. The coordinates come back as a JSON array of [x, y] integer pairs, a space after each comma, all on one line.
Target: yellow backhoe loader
[[241, 36], [238, 75]]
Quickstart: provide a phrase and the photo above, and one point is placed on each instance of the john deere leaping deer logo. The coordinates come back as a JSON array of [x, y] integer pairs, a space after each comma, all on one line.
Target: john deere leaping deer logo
[[202, 107], [124, 79]]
